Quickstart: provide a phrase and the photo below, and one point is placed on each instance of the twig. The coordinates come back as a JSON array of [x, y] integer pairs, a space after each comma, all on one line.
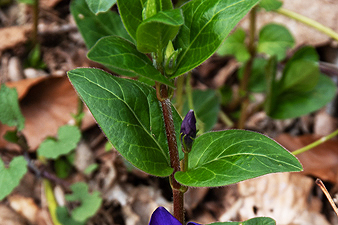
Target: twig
[[328, 196]]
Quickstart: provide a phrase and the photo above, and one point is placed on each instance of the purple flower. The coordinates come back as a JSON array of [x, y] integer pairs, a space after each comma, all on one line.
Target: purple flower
[[188, 130], [162, 217]]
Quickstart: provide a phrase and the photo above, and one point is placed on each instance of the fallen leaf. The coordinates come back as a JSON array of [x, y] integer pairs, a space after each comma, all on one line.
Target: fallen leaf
[[321, 161], [47, 106], [12, 36], [25, 206], [304, 35]]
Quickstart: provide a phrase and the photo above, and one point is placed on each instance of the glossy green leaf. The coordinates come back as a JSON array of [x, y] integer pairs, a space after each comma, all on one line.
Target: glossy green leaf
[[130, 115], [206, 25], [253, 221], [97, 6], [295, 104], [123, 58], [93, 27], [131, 12], [152, 7], [90, 203], [257, 82], [270, 5], [10, 113], [68, 137], [227, 157], [235, 45], [275, 39], [154, 33], [206, 107], [301, 73], [10, 176]]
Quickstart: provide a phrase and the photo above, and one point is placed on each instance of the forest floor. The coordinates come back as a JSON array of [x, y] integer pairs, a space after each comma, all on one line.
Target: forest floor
[[48, 100]]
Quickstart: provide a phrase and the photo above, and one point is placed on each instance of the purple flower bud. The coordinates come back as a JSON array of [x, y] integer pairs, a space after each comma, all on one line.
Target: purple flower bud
[[162, 217], [188, 130]]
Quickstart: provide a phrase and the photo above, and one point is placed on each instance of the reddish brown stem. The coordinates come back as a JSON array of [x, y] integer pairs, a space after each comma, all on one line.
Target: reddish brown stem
[[178, 195]]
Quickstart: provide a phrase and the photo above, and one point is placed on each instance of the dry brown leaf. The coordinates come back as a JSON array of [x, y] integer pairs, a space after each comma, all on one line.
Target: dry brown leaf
[[23, 86], [284, 197], [47, 106], [321, 161], [12, 36], [25, 206], [314, 9], [9, 217], [49, 3]]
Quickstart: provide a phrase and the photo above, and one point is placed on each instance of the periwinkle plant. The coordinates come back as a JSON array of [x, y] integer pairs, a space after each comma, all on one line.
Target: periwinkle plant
[[141, 122]]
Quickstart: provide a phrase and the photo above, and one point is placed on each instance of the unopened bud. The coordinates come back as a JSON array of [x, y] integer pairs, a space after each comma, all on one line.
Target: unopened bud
[[188, 131]]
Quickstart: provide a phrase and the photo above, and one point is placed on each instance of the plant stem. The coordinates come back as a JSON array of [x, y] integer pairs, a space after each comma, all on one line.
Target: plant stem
[[316, 143], [247, 69], [178, 195], [35, 23], [225, 119], [310, 22]]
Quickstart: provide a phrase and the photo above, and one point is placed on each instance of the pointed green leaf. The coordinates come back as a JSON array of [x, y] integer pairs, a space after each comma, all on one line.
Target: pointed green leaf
[[68, 137], [130, 115], [131, 12], [10, 113], [90, 203], [270, 5], [301, 73], [295, 104], [235, 45], [227, 157], [10, 176], [275, 39], [154, 33], [123, 58], [93, 27], [97, 6], [206, 25], [253, 221]]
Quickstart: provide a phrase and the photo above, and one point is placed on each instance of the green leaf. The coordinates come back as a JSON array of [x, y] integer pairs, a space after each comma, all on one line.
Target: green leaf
[[206, 25], [68, 137], [227, 157], [254, 221], [154, 33], [257, 82], [206, 107], [10, 176], [10, 113], [295, 104], [123, 58], [64, 217], [90, 203], [62, 168], [301, 73], [130, 116], [131, 12], [93, 27], [270, 5], [234, 45], [97, 6], [275, 39]]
